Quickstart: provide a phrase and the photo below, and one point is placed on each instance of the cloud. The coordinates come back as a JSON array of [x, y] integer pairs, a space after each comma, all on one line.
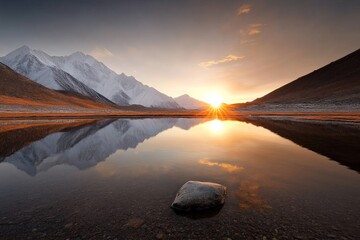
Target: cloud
[[253, 29], [228, 58], [244, 9], [100, 53]]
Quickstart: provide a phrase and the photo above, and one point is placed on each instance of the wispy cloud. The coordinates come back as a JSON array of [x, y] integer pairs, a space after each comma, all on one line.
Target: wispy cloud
[[101, 53], [244, 9], [253, 29], [227, 59]]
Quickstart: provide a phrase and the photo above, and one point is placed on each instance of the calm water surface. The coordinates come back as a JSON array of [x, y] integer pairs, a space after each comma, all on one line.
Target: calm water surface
[[117, 179]]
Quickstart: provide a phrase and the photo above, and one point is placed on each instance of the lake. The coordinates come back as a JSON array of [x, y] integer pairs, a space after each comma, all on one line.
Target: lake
[[116, 178]]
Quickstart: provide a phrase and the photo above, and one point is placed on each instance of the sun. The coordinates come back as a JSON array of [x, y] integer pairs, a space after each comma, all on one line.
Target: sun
[[215, 100]]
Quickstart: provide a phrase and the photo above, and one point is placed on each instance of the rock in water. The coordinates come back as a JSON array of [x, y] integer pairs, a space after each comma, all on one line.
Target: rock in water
[[195, 195]]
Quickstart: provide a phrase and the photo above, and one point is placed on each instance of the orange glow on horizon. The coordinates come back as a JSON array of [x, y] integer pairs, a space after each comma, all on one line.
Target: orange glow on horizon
[[217, 113]]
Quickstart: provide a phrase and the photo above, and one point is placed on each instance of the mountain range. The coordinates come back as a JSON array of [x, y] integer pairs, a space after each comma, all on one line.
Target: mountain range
[[83, 74], [334, 87]]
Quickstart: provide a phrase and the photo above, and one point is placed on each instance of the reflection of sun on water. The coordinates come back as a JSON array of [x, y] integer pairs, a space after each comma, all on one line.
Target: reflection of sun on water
[[216, 126]]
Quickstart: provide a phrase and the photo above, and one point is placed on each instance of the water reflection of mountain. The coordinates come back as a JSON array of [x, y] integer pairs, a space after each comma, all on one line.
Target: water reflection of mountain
[[337, 141], [16, 135], [85, 147]]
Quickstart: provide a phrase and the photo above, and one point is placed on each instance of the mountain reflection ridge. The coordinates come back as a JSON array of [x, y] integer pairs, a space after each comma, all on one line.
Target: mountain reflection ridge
[[85, 147]]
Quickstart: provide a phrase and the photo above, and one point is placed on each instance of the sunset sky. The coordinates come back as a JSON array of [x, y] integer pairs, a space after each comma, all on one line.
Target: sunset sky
[[238, 49]]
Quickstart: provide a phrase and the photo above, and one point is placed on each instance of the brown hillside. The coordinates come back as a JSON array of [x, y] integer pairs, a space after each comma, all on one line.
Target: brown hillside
[[337, 82], [16, 89]]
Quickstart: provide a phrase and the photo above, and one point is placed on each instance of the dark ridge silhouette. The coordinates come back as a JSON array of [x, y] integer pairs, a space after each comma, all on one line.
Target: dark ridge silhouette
[[339, 142], [337, 82]]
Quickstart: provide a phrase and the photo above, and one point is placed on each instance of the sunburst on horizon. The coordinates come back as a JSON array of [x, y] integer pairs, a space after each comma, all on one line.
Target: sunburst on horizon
[[214, 99]]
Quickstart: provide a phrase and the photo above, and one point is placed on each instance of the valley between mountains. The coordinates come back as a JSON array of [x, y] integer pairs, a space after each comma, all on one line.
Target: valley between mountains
[[34, 84]]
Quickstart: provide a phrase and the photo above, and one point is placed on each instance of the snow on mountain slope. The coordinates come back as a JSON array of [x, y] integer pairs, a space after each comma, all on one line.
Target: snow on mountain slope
[[188, 102], [119, 88], [37, 66]]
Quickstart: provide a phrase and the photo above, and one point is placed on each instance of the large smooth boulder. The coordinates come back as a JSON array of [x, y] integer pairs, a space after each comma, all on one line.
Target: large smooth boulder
[[198, 196]]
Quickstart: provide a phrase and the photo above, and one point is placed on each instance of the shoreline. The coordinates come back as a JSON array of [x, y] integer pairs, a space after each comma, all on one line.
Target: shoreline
[[349, 117]]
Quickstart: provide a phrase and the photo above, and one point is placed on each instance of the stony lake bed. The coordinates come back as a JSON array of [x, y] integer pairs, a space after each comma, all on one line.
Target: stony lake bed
[[116, 179]]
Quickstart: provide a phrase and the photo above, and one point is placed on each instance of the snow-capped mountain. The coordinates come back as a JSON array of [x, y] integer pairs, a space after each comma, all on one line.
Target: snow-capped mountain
[[79, 70], [188, 102], [87, 146], [35, 65]]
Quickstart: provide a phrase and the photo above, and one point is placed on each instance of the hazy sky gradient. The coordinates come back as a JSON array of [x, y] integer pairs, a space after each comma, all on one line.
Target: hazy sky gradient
[[241, 49]]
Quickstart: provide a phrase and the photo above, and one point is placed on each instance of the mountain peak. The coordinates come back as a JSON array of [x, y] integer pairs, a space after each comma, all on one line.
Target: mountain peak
[[184, 96], [78, 54], [188, 102], [23, 50], [26, 50]]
